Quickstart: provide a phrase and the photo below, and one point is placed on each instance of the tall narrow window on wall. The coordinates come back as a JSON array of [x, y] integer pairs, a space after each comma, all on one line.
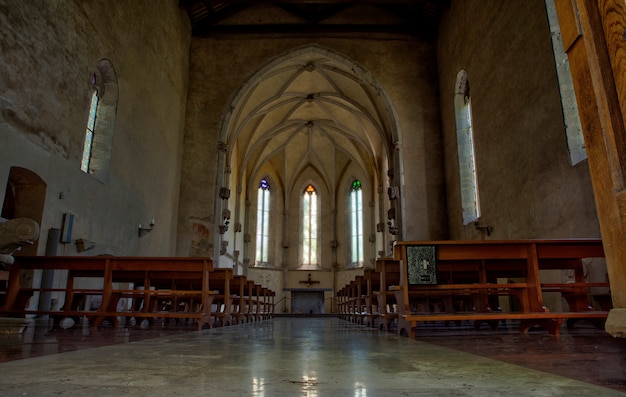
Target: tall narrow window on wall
[[90, 130], [310, 212], [356, 224], [465, 146], [573, 129], [100, 127], [262, 223]]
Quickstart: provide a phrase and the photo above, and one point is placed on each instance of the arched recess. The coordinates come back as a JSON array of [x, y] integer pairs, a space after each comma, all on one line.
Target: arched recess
[[310, 107], [24, 197]]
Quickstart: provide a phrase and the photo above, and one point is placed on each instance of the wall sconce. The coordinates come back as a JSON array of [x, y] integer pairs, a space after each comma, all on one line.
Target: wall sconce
[[484, 229], [84, 245], [144, 230]]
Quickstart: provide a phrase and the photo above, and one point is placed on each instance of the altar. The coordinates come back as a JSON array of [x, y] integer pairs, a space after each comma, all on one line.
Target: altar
[[308, 300]]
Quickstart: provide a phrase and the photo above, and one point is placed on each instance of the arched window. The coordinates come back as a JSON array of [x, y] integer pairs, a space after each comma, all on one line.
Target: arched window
[[465, 147], [263, 223], [573, 129], [90, 130], [310, 228], [100, 127], [356, 224]]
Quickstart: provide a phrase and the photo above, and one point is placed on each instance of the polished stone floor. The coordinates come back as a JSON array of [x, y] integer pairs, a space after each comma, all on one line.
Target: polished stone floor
[[322, 356]]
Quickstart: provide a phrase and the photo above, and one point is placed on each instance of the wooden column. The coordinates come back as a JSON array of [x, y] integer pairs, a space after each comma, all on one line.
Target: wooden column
[[594, 39]]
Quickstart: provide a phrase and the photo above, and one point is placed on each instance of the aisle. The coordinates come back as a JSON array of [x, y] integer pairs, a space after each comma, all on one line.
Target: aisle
[[281, 357]]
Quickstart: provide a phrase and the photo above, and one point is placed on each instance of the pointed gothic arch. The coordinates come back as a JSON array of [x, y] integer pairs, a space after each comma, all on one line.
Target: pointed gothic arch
[[256, 130]]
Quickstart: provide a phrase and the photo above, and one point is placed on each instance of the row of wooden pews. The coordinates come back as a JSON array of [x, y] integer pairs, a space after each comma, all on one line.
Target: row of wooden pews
[[478, 281], [111, 289], [369, 298]]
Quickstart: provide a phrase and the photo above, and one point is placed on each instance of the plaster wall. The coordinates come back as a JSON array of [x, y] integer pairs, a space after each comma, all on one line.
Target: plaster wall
[[49, 53], [527, 187]]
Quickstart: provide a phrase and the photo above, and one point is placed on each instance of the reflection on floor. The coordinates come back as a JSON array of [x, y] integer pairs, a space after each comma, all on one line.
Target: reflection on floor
[[582, 352], [321, 356]]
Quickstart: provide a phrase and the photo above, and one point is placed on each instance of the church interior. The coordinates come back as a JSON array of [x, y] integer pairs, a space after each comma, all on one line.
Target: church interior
[[301, 144]]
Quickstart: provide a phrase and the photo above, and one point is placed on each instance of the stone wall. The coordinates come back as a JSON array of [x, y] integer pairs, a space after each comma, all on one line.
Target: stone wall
[[527, 187], [49, 53], [406, 71]]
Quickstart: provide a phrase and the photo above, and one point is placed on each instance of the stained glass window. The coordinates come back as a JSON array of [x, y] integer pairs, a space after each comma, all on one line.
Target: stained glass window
[[309, 227], [356, 223], [263, 222]]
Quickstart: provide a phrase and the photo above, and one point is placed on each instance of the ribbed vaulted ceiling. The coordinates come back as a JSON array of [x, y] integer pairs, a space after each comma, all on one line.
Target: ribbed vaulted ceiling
[[308, 110]]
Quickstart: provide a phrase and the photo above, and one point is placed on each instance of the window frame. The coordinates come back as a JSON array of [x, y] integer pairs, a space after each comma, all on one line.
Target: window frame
[[468, 174], [357, 243], [90, 130], [262, 257], [310, 223]]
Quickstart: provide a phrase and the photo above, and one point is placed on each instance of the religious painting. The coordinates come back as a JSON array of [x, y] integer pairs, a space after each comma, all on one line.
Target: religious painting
[[421, 264]]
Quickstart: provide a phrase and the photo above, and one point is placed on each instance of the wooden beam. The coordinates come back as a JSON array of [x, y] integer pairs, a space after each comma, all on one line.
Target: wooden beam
[[591, 39]]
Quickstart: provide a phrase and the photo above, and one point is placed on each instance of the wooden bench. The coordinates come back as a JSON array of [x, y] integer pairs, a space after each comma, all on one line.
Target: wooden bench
[[145, 282], [387, 305], [222, 307], [472, 271], [269, 304], [372, 285], [259, 302], [342, 302], [238, 288], [249, 301], [355, 299], [255, 302], [551, 321], [264, 305]]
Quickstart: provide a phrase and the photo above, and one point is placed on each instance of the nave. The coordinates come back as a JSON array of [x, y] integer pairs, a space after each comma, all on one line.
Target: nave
[[310, 356]]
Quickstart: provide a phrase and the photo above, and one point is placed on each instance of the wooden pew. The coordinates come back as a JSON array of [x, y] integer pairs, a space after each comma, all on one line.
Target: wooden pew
[[389, 274], [372, 285], [355, 303], [254, 301], [152, 281], [267, 303], [221, 309], [471, 270], [238, 289], [250, 301], [578, 292], [257, 302], [342, 302]]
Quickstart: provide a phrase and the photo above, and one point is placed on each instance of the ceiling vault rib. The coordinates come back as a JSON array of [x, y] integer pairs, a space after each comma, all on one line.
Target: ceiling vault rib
[[306, 115]]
